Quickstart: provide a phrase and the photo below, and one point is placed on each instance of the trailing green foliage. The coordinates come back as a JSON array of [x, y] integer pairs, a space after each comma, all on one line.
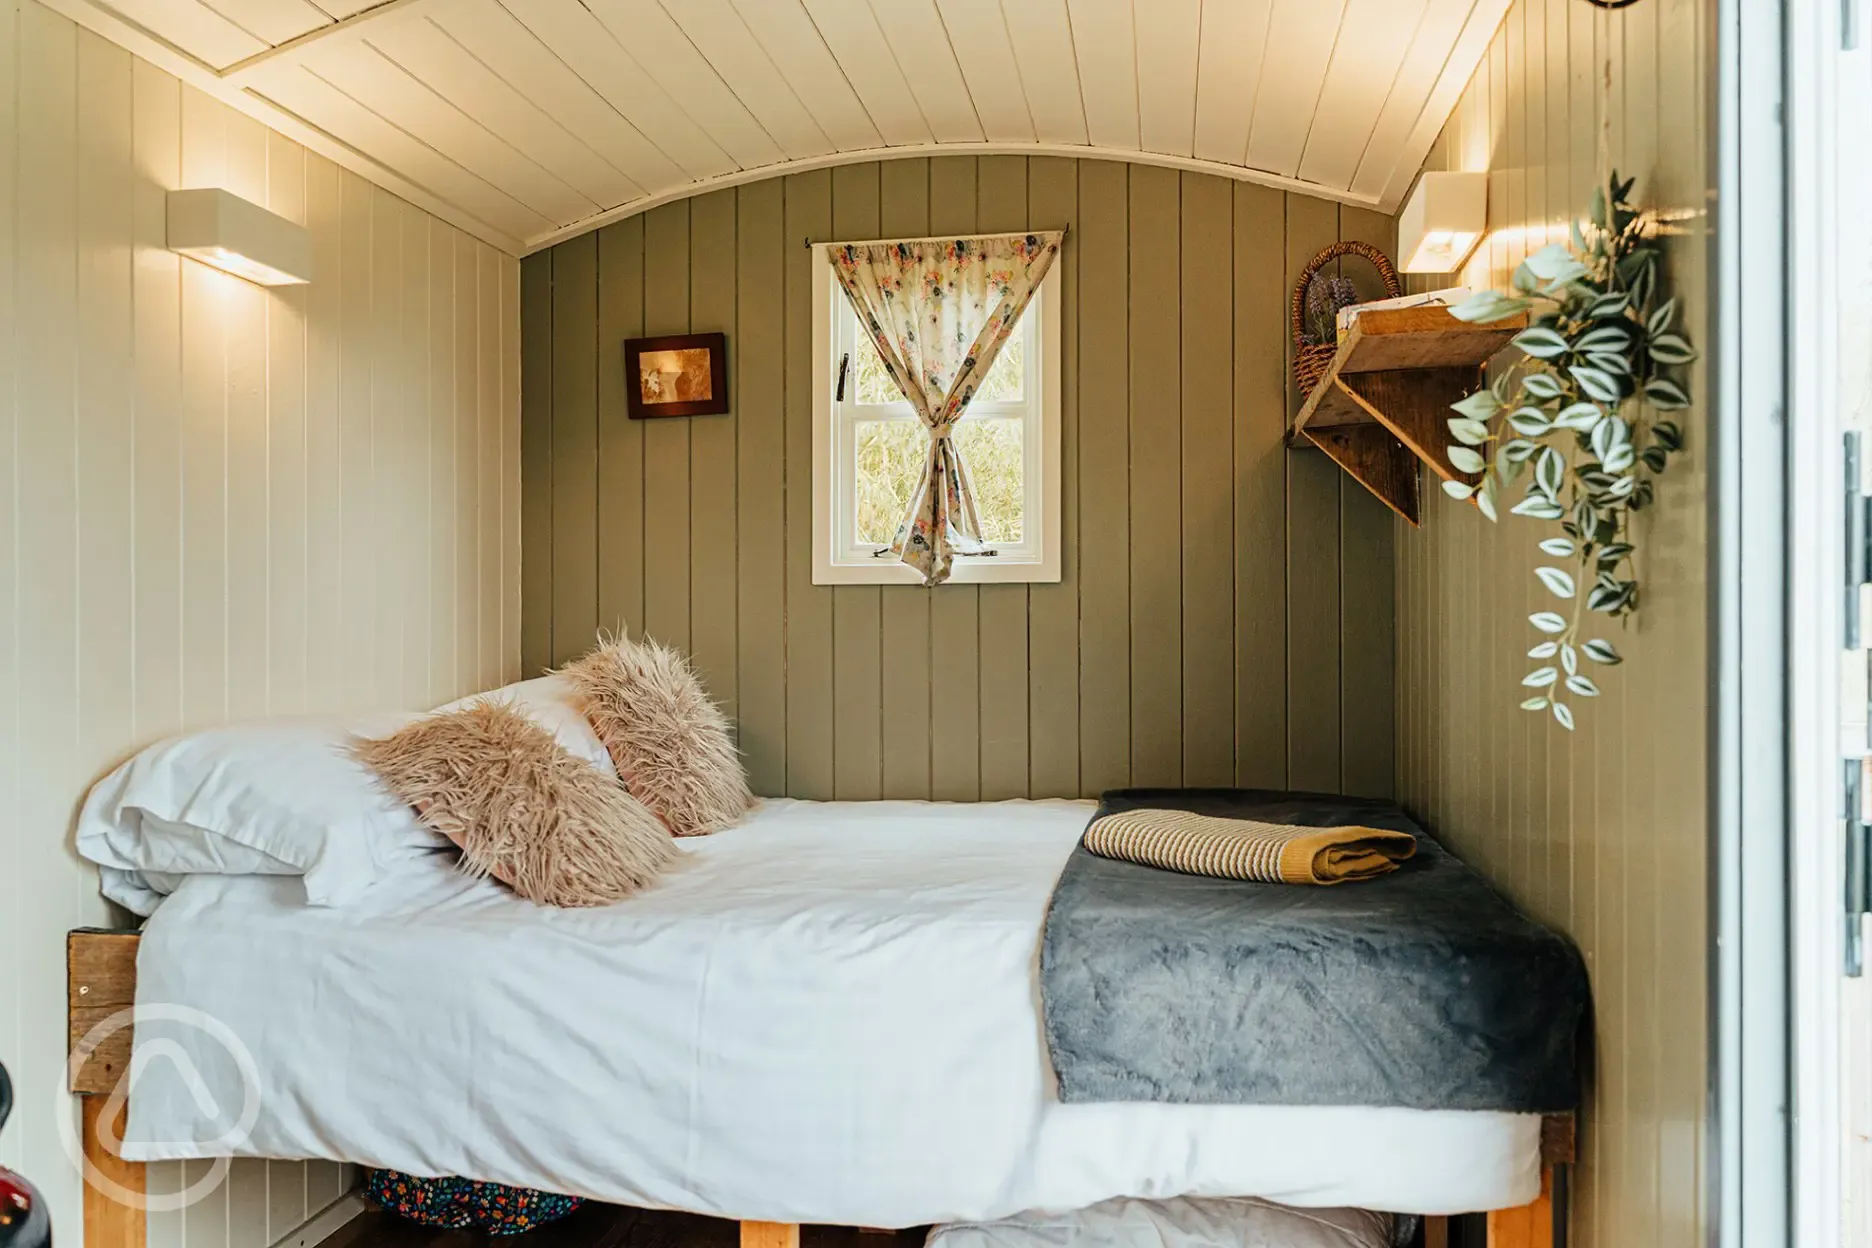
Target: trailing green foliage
[[1583, 415]]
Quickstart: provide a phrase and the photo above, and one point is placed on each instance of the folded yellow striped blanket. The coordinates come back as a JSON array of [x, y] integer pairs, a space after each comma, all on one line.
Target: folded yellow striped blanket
[[1244, 849]]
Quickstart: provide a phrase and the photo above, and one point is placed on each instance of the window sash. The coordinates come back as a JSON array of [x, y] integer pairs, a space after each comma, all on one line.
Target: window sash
[[1037, 559], [849, 413]]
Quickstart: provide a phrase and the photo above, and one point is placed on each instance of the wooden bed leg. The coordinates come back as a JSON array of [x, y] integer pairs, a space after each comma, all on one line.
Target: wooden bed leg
[[770, 1235], [1530, 1226], [108, 1221]]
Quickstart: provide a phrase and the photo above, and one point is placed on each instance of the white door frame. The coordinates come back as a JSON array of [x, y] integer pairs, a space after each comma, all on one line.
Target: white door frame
[[1817, 30], [1748, 1168]]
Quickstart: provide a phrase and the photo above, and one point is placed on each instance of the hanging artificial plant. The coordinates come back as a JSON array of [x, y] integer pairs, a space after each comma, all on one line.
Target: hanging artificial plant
[[1581, 415]]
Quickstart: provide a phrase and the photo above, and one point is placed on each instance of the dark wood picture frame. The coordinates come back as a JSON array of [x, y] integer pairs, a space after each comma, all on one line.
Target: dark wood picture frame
[[717, 401]]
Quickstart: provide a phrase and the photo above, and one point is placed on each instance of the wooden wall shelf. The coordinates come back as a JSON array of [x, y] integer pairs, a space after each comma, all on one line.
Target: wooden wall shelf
[[1384, 402]]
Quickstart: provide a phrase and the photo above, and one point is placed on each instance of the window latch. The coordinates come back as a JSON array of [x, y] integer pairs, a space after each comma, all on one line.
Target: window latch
[[1857, 853], [1858, 509], [844, 366]]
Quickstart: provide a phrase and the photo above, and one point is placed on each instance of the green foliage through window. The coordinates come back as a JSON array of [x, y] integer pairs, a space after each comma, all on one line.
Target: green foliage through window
[[890, 457]]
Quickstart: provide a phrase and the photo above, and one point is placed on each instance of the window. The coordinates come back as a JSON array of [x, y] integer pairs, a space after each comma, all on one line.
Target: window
[[869, 449]]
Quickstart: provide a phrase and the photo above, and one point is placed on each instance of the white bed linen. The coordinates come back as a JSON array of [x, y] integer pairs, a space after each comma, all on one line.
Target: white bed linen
[[827, 1014]]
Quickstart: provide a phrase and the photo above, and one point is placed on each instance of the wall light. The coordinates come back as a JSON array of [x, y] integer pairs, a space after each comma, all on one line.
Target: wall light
[[1442, 221], [239, 237]]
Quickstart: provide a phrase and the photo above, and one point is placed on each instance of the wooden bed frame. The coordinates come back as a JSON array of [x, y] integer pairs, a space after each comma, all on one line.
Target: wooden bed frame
[[101, 981]]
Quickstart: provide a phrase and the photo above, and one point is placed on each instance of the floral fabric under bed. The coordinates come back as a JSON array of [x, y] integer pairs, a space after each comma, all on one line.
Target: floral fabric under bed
[[465, 1204]]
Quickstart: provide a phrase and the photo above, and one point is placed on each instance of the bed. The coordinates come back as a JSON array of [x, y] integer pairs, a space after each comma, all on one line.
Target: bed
[[827, 1014]]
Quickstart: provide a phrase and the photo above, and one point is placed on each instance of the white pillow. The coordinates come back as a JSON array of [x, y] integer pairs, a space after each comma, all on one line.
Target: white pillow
[[282, 797], [550, 702]]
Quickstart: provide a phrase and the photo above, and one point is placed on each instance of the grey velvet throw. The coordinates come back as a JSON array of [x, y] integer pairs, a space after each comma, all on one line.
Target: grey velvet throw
[[1424, 988]]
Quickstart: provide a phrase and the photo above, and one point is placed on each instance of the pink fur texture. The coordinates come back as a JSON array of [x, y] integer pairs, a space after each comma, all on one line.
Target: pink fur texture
[[672, 746], [521, 807]]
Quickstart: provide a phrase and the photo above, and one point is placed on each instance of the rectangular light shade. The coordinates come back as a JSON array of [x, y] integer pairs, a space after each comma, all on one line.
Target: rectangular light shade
[[1442, 221], [239, 237]]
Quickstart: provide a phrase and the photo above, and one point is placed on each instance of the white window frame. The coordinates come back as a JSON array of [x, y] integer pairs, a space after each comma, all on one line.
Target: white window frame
[[838, 559]]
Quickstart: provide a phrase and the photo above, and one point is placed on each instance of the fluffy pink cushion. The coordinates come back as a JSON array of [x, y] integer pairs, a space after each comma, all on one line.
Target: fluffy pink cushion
[[522, 808], [671, 745]]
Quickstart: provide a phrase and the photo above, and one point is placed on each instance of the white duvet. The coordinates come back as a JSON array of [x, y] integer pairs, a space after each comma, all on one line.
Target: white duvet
[[828, 1014]]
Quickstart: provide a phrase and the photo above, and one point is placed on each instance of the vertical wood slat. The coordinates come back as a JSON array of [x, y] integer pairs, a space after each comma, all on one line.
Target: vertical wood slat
[[415, 604], [389, 411], [955, 612], [471, 616], [105, 397], [712, 439], [287, 438], [155, 284], [666, 441], [1313, 482], [1207, 679], [499, 320], [1156, 462], [1053, 610], [759, 365], [574, 447], [620, 439], [244, 386], [204, 447], [1684, 123], [1260, 491], [1367, 630], [1001, 205], [1104, 478], [536, 462], [905, 686], [1649, 878], [857, 620], [809, 770]]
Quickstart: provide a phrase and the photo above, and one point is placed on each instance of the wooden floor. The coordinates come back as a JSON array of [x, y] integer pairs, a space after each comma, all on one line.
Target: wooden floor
[[600, 1226]]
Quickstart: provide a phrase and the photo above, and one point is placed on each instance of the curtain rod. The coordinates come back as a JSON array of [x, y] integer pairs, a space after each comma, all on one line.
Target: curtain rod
[[933, 238]]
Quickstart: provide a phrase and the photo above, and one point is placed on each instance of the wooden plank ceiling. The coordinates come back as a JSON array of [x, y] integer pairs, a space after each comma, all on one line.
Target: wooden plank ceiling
[[532, 120]]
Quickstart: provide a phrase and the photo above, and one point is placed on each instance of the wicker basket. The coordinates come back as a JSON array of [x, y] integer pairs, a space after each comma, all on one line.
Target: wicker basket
[[1310, 360]]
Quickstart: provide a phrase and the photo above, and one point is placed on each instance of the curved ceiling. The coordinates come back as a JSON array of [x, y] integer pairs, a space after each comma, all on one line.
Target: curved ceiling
[[530, 120]]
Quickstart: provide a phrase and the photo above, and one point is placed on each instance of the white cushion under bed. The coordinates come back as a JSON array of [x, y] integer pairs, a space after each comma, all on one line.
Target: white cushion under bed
[[827, 1014], [1183, 1223]]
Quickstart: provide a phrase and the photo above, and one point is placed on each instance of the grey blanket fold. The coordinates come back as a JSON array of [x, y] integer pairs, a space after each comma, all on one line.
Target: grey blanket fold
[[1423, 989]]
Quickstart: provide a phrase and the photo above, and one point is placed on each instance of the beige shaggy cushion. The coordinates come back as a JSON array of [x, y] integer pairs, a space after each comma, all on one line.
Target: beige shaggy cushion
[[522, 808], [670, 743]]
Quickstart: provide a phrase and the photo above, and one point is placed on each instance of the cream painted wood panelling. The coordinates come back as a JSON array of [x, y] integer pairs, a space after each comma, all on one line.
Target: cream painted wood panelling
[[1225, 612], [1601, 832], [216, 501], [530, 121]]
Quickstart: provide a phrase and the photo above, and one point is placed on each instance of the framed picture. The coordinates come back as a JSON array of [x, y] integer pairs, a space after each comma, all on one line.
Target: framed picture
[[682, 375]]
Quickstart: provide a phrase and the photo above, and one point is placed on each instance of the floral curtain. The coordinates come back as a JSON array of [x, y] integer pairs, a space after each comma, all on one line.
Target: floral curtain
[[939, 312]]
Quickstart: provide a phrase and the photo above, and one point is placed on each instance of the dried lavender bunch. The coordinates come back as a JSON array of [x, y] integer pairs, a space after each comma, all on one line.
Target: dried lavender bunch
[[1325, 296]]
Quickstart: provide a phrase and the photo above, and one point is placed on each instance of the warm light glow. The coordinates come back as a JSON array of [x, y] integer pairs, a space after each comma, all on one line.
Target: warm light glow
[[1441, 251], [241, 266]]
